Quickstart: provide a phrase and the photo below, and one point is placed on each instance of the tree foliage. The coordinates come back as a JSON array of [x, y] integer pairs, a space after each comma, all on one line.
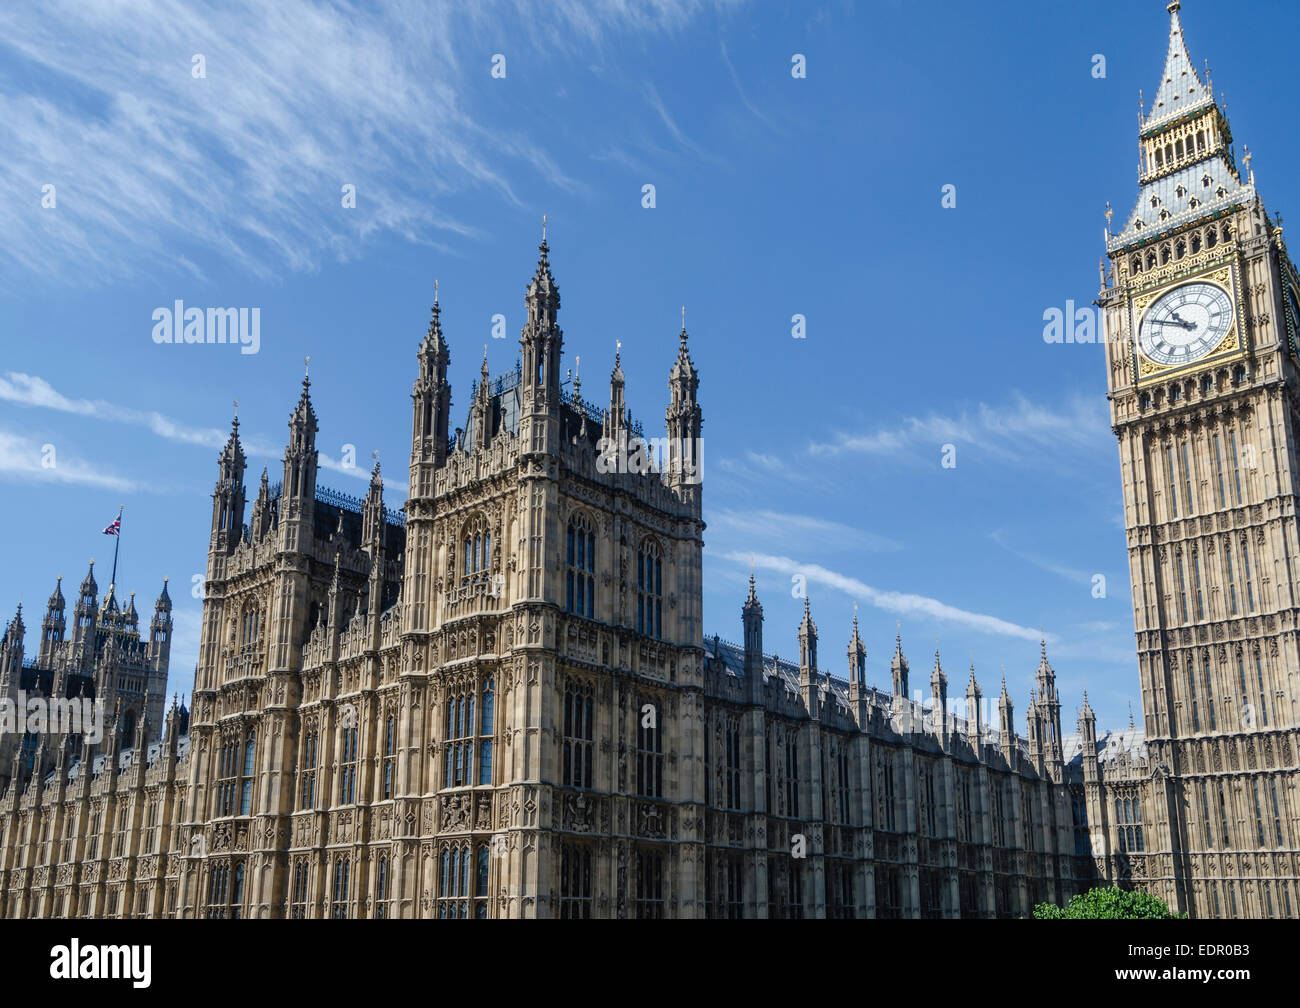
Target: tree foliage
[[1108, 903]]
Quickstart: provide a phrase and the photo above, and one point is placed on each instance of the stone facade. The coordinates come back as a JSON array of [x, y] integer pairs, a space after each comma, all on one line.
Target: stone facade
[[501, 703], [1202, 320]]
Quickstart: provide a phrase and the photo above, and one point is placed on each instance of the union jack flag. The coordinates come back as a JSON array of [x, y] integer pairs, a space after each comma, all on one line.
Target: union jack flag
[[115, 528]]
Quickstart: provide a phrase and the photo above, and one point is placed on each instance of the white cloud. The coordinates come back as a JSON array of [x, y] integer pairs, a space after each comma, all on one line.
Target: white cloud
[[1022, 430], [898, 603], [29, 461], [774, 526], [299, 98]]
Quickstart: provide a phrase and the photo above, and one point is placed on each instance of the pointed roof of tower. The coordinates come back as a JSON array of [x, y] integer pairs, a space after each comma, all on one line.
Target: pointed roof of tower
[[683, 367], [303, 414], [751, 600], [543, 284], [164, 603], [234, 450], [131, 614], [1180, 188], [17, 622], [88, 585], [1180, 85], [56, 597], [433, 339], [806, 625], [972, 686], [898, 660], [1086, 709], [855, 641]]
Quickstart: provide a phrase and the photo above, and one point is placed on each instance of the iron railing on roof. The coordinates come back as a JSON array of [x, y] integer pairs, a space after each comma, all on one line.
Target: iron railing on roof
[[338, 499]]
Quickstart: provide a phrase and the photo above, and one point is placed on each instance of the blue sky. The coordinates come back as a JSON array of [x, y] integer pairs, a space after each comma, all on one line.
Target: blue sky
[[775, 196]]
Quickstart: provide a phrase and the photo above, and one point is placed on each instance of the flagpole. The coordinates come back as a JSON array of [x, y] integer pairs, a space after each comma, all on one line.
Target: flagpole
[[117, 542]]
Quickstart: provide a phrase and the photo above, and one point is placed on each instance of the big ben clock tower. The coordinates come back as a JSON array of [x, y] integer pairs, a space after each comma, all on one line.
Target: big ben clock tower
[[1201, 317]]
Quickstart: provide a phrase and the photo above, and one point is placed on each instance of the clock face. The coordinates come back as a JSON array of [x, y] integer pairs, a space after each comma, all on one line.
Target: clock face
[[1185, 323]]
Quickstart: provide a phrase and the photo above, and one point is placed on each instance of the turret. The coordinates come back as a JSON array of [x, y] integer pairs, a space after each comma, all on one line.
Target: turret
[[975, 712], [86, 611], [131, 617], [1088, 740], [431, 396], [898, 668], [939, 693], [808, 684], [228, 494], [260, 521], [160, 631], [684, 423], [53, 626], [1045, 713], [614, 428], [751, 615], [857, 664], [1007, 725], [541, 344], [298, 500], [11, 655]]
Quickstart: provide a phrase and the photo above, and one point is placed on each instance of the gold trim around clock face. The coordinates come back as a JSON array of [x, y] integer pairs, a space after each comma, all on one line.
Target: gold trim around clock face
[[1223, 277]]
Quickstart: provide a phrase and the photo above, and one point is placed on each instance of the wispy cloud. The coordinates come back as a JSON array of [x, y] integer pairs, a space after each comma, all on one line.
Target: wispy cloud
[[25, 460], [150, 161], [1020, 430], [1042, 563], [897, 603], [764, 527]]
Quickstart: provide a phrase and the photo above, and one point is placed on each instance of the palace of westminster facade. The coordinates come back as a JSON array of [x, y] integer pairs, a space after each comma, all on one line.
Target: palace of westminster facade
[[502, 703]]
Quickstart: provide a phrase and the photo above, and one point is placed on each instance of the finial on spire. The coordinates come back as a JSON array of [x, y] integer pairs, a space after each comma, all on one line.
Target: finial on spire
[[1174, 6], [435, 292], [1131, 726], [618, 350], [543, 229]]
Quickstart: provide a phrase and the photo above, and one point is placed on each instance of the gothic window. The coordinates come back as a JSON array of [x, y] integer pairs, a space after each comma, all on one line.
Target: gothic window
[[1205, 181], [794, 891], [246, 777], [1223, 816], [1180, 249], [1196, 239], [381, 888], [348, 765], [1151, 260], [734, 764], [1211, 238], [997, 820], [580, 578], [462, 731], [477, 557], [69, 833], [92, 841], [1263, 697], [1144, 401], [575, 881], [487, 712], [579, 734], [842, 787], [1206, 826], [1136, 265], [1259, 815], [649, 753], [1182, 589], [927, 801], [1128, 819], [218, 885], [251, 626], [1187, 478], [885, 811], [481, 881], [308, 771], [1209, 694], [791, 776], [1221, 192], [1245, 571], [453, 891], [227, 777], [1173, 481], [1277, 818], [1155, 201], [1218, 469], [298, 904], [1200, 140], [339, 891], [649, 903], [1232, 443], [1191, 696], [1196, 585], [734, 896], [390, 756], [151, 828], [1180, 192], [649, 595]]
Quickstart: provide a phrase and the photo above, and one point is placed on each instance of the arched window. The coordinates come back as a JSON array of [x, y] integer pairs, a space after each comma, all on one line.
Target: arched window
[[466, 737], [246, 777], [251, 628], [342, 874], [308, 771], [453, 889], [381, 888], [481, 864], [477, 558], [348, 766], [390, 756], [576, 754], [580, 564], [649, 593]]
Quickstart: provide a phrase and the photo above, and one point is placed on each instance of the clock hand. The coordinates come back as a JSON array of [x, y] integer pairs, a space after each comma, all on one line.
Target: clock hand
[[1180, 323]]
